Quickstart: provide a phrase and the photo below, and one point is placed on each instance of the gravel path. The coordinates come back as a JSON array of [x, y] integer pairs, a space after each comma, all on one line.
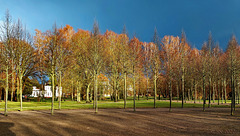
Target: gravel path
[[113, 122]]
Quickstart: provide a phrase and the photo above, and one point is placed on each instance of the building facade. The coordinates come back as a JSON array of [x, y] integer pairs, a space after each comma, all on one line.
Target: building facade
[[46, 93]]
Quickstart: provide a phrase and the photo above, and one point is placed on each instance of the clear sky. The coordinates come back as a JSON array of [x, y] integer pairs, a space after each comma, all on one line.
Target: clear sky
[[196, 17]]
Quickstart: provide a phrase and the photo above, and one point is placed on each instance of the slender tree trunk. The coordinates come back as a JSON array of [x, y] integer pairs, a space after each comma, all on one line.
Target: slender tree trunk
[[18, 94], [218, 89], [6, 92], [195, 91], [72, 89], [53, 91], [210, 83], [59, 90], [204, 93], [225, 90], [238, 92], [177, 91], [79, 91], [93, 94], [138, 85], [20, 83], [134, 91], [234, 102], [13, 86], [125, 89], [155, 89], [87, 93], [214, 87], [191, 91], [95, 90], [199, 94], [222, 90], [147, 87], [182, 86], [170, 95], [232, 88]]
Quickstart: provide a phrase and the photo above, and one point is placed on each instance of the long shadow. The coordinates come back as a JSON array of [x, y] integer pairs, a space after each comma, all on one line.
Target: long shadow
[[5, 129]]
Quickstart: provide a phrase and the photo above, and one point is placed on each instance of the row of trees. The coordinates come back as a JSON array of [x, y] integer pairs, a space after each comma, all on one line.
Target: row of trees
[[81, 60]]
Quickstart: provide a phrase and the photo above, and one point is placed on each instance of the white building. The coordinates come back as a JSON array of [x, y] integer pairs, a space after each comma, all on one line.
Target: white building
[[47, 91]]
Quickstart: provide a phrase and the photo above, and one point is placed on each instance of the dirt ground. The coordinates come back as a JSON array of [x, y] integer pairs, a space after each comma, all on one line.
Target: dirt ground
[[188, 121]]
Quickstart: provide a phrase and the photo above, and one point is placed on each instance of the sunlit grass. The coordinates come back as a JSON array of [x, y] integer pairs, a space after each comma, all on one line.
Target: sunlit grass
[[142, 103]]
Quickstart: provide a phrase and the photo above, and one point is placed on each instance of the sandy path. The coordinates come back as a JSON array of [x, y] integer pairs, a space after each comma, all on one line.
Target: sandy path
[[187, 121]]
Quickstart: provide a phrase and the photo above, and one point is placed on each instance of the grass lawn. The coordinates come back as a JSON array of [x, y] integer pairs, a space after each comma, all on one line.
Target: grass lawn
[[142, 103]]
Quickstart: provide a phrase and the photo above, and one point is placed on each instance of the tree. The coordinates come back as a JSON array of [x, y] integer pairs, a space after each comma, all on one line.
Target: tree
[[124, 59], [6, 39], [80, 41], [169, 46], [52, 41], [184, 50], [24, 56], [210, 44], [135, 59], [232, 61], [203, 53], [63, 51]]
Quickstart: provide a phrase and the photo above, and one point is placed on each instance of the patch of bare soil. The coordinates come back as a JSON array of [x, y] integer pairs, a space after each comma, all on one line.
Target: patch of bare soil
[[113, 122]]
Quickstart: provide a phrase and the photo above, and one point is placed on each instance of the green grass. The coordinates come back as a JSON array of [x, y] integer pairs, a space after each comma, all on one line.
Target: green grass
[[142, 103]]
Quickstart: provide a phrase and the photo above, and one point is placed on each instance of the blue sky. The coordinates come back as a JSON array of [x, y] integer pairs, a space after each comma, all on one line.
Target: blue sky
[[196, 17]]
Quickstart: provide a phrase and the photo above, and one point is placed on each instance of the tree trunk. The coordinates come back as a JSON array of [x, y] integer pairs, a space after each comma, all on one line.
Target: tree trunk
[[20, 83], [225, 90], [13, 86], [177, 91], [222, 91], [6, 92], [79, 88], [115, 87], [170, 95], [18, 94], [125, 89], [182, 86], [134, 92], [53, 90], [87, 93], [147, 87], [232, 89], [95, 90], [191, 91], [218, 90], [155, 89], [72, 89], [209, 93], [214, 87], [238, 92], [204, 93], [195, 92], [59, 90]]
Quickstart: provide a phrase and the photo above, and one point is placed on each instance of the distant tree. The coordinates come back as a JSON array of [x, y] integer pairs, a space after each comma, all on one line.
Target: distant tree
[[233, 55], [136, 50], [169, 47], [204, 56], [124, 53]]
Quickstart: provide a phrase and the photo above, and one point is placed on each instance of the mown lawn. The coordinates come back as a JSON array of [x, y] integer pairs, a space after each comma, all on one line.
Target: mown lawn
[[142, 103]]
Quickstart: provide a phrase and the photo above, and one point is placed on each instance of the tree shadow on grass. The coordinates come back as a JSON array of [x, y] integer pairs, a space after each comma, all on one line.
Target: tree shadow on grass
[[5, 129]]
